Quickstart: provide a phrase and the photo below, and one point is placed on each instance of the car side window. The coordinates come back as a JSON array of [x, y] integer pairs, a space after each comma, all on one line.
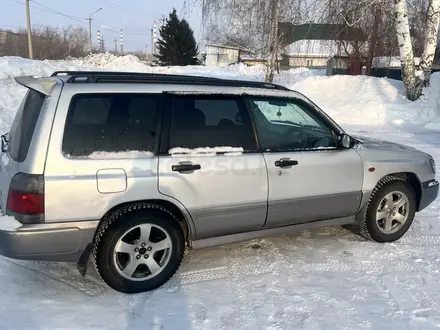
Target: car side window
[[289, 125], [211, 121], [110, 123]]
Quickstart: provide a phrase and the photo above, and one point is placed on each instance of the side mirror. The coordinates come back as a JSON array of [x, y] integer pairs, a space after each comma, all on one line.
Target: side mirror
[[346, 141]]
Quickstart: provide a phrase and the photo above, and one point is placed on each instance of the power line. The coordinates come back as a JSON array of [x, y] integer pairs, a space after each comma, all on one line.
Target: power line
[[80, 19], [126, 31], [10, 26], [57, 12], [114, 5], [49, 10], [21, 3]]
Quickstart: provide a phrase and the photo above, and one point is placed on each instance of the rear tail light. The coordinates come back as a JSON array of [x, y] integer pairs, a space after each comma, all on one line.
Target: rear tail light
[[26, 198]]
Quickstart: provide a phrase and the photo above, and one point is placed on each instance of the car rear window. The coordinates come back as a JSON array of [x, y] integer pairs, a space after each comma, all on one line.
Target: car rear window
[[116, 122], [23, 127]]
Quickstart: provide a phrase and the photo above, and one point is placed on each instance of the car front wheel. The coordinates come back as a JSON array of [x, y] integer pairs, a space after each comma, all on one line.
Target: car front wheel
[[390, 211]]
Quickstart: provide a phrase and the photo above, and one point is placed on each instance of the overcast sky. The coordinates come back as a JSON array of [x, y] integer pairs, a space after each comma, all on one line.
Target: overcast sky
[[135, 17]]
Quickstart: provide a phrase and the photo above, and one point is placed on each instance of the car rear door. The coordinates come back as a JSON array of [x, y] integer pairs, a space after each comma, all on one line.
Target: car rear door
[[310, 179], [211, 165]]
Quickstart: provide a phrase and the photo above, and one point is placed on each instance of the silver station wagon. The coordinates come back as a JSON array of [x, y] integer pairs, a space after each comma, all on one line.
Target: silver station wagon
[[131, 169]]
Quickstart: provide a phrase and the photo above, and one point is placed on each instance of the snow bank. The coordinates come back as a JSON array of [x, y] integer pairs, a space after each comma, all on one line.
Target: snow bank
[[362, 100], [11, 93], [131, 63], [11, 67], [109, 61]]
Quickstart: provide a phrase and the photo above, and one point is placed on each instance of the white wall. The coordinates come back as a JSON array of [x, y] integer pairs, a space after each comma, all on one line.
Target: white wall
[[220, 56], [308, 61]]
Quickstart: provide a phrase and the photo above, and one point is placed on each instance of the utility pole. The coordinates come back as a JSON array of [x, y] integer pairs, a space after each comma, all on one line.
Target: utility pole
[[98, 40], [90, 29], [90, 36], [154, 38], [122, 43], [29, 33], [102, 44], [152, 42]]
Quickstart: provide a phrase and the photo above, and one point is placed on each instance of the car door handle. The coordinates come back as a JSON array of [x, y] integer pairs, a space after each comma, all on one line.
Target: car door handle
[[286, 162], [186, 167]]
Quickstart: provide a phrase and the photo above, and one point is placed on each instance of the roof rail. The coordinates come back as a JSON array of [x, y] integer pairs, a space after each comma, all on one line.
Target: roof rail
[[158, 78]]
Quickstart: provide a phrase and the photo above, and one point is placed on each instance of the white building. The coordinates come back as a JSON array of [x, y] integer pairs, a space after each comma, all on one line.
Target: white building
[[220, 56], [313, 53]]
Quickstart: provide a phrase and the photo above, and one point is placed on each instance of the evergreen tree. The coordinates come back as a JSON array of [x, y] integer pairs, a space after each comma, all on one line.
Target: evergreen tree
[[177, 45]]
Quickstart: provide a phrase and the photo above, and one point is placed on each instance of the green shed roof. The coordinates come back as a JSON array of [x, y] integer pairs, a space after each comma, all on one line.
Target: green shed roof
[[290, 32]]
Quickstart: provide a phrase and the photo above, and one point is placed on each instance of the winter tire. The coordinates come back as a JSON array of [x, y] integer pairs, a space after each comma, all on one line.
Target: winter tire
[[138, 248], [390, 211]]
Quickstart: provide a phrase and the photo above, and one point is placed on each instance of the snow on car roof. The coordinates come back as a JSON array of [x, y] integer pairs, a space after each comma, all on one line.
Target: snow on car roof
[[237, 91]]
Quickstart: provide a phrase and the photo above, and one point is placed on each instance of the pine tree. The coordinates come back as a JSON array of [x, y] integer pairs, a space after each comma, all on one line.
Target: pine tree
[[177, 45]]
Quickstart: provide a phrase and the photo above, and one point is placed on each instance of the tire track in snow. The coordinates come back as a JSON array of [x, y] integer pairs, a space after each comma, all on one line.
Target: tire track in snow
[[57, 272], [247, 317], [198, 276], [411, 239]]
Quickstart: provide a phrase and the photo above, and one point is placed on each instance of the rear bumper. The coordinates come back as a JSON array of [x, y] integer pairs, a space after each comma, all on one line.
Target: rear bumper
[[429, 193], [50, 242]]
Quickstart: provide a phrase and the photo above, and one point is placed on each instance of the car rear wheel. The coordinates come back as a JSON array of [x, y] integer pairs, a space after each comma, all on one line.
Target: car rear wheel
[[139, 250], [390, 211]]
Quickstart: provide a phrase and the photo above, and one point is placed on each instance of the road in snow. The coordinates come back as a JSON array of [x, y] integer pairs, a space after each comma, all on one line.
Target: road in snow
[[321, 279]]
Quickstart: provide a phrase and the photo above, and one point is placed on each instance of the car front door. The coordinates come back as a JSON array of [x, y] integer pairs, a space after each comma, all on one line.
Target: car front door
[[211, 164], [310, 178]]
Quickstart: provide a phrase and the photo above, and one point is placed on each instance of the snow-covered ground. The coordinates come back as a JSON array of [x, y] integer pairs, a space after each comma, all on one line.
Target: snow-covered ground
[[321, 279]]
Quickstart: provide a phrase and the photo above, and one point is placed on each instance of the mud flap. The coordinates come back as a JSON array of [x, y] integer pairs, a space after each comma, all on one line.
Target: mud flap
[[83, 261]]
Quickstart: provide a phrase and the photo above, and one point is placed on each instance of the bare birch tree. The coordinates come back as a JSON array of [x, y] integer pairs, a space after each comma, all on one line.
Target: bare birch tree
[[431, 38], [251, 23], [411, 82], [388, 29], [273, 44], [414, 83], [415, 26]]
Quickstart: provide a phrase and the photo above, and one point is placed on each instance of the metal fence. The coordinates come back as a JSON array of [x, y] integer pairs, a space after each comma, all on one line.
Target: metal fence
[[391, 73]]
